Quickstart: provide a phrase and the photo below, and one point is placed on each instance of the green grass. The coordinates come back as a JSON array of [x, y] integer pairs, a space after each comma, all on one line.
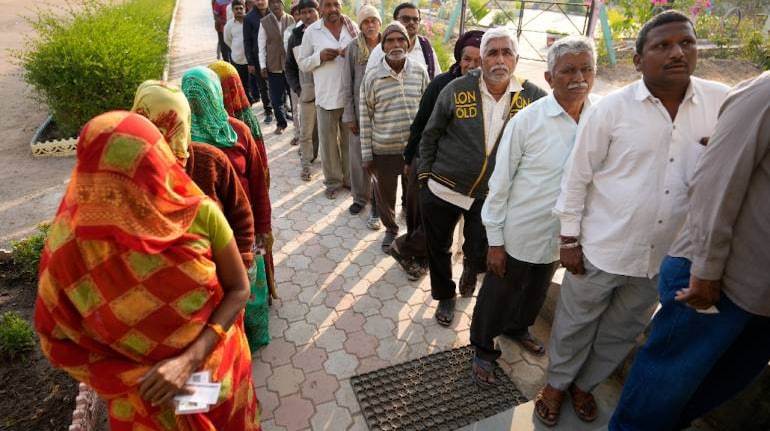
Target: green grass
[[16, 335]]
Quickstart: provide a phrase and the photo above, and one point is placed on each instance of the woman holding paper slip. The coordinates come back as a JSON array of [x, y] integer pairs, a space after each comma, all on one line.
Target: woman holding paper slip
[[141, 284]]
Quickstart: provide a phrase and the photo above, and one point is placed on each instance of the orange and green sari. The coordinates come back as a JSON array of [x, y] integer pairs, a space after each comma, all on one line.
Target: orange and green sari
[[124, 284]]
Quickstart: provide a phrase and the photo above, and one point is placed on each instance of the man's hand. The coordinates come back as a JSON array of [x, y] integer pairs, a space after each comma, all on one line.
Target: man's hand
[[329, 54], [166, 379], [408, 169], [368, 165], [354, 128], [252, 70], [572, 258], [496, 257], [263, 72], [701, 294]]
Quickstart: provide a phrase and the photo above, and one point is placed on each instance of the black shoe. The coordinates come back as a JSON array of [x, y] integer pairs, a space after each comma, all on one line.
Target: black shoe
[[467, 280], [289, 117], [268, 118], [387, 241], [355, 208]]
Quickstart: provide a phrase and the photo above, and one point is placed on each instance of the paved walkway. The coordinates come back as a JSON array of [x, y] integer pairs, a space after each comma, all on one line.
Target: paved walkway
[[345, 307]]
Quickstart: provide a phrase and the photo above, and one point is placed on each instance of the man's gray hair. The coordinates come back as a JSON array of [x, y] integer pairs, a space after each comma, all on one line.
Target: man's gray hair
[[499, 33], [570, 45]]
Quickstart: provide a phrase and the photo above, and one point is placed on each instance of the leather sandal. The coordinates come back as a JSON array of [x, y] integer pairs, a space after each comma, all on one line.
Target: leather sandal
[[548, 405], [584, 404], [483, 372]]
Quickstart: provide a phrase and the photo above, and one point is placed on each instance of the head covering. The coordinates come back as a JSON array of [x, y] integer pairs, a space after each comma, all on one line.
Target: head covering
[[209, 118], [394, 26], [166, 106], [469, 38], [236, 101], [127, 187], [304, 4], [367, 11], [124, 283], [294, 6]]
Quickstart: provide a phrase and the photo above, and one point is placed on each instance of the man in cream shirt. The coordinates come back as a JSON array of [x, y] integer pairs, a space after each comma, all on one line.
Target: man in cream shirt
[[623, 199]]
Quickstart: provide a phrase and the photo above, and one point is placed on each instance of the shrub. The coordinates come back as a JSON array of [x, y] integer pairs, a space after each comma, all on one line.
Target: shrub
[[92, 59], [756, 48], [26, 252], [16, 335], [444, 55]]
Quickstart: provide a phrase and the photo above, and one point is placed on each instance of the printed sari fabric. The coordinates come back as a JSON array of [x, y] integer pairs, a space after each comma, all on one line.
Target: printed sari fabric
[[236, 101], [124, 285], [209, 118], [167, 108]]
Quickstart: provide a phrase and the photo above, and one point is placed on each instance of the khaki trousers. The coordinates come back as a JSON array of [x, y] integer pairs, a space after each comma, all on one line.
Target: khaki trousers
[[333, 136]]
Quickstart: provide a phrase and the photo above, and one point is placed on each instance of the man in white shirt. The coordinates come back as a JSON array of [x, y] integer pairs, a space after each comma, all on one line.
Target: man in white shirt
[[233, 35], [420, 50], [321, 53], [522, 232], [457, 156], [623, 199]]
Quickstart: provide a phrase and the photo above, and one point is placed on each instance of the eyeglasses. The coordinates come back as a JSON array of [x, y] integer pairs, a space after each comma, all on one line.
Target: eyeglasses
[[407, 19]]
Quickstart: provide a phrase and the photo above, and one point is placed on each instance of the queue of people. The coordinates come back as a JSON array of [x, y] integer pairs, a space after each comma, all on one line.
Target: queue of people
[[655, 193]]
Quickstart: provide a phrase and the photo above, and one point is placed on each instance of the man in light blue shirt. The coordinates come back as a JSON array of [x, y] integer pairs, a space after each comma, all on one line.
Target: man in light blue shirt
[[523, 233]]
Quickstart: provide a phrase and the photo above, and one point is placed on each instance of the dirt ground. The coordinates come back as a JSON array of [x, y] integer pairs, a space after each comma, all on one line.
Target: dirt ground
[[30, 189]]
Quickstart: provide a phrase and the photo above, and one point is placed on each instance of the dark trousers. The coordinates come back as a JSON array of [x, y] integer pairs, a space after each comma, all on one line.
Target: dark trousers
[[223, 48], [387, 169], [259, 90], [439, 219], [411, 245], [243, 73], [277, 86], [509, 304], [691, 362]]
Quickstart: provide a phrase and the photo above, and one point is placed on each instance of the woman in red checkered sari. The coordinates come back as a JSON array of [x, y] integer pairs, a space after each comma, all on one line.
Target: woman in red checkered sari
[[141, 284]]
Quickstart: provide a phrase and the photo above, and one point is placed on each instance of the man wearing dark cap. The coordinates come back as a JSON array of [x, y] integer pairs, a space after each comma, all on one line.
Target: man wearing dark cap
[[390, 97], [409, 249]]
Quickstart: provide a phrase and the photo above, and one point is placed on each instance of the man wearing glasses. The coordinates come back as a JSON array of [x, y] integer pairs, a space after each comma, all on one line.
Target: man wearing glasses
[[421, 51]]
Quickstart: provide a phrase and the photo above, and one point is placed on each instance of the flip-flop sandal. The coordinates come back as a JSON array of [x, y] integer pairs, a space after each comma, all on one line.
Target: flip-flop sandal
[[330, 193], [530, 344], [445, 311], [548, 405], [483, 372], [305, 175], [584, 404]]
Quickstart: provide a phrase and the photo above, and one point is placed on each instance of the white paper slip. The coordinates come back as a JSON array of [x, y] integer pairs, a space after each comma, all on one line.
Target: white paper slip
[[710, 310], [204, 393], [188, 408], [200, 377]]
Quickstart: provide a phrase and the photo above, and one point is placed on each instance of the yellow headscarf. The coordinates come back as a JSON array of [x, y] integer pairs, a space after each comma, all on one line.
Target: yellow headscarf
[[167, 107]]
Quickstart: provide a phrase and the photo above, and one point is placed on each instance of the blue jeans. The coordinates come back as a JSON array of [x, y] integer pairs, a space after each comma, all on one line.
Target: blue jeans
[[277, 85], [691, 362]]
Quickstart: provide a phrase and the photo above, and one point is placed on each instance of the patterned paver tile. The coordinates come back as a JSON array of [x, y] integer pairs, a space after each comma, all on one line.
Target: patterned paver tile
[[330, 338], [395, 310], [321, 316], [294, 413], [410, 332], [293, 310], [319, 387], [278, 352], [379, 326], [346, 397], [361, 344], [339, 300], [372, 363], [268, 402], [285, 380], [305, 278], [270, 425], [341, 364], [440, 336], [367, 305], [383, 291], [260, 371], [309, 358], [277, 327], [312, 296], [330, 417], [300, 333], [359, 423], [350, 321], [392, 349]]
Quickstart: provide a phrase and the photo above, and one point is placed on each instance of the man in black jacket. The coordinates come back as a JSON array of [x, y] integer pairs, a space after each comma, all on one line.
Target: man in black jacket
[[457, 156], [409, 249], [257, 84]]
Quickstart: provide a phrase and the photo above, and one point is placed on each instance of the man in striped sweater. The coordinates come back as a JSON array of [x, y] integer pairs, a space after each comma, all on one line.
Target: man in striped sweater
[[390, 97]]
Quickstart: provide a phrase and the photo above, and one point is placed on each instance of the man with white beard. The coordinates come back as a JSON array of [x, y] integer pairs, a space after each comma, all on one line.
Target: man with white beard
[[457, 156], [390, 98]]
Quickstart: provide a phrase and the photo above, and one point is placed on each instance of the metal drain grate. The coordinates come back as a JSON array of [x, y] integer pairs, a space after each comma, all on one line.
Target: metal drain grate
[[434, 392]]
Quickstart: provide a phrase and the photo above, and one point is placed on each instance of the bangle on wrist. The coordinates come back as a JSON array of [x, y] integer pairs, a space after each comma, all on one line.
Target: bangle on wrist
[[567, 245], [218, 329]]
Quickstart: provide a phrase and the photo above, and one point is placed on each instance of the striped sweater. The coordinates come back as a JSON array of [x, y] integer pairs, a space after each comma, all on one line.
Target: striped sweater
[[388, 104]]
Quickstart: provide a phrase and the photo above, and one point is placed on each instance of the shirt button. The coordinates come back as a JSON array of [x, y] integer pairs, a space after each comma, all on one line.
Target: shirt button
[[652, 246], [674, 127], [660, 221], [671, 159]]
